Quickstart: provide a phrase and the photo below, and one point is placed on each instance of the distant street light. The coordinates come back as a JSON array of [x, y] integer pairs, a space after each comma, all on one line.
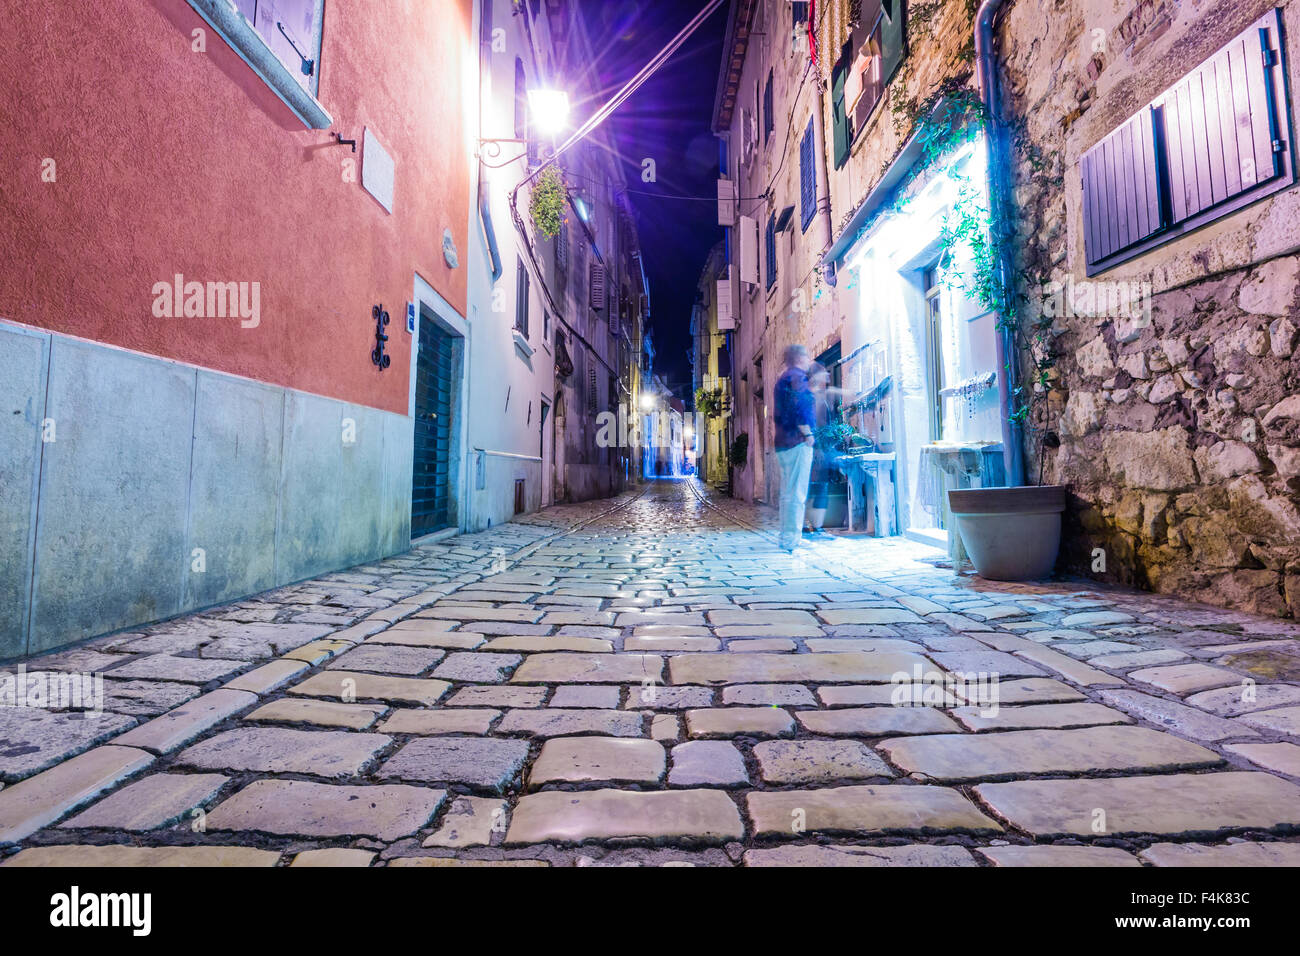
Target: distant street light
[[648, 401]]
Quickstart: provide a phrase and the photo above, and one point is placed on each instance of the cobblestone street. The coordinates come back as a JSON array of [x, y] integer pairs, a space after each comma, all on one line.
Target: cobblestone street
[[649, 680]]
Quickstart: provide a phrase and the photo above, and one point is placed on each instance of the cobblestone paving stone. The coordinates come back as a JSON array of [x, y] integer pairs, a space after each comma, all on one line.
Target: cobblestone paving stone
[[648, 680]]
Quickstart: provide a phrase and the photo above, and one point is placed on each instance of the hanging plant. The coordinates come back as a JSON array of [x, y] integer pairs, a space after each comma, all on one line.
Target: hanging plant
[[708, 402], [547, 200]]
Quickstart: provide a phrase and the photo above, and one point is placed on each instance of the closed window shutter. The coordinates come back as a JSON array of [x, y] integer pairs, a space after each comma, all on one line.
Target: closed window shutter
[[591, 389], [1121, 195], [807, 177], [726, 318], [893, 37], [562, 247], [771, 250], [748, 250], [839, 116], [1221, 125], [521, 300], [297, 17], [769, 120], [726, 202], [597, 290], [1207, 146]]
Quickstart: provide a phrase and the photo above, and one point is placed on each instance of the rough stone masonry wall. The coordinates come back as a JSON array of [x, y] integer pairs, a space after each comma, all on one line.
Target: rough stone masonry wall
[[1180, 439]]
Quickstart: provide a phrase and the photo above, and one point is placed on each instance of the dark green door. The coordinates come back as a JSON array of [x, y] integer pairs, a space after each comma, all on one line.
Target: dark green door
[[434, 387]]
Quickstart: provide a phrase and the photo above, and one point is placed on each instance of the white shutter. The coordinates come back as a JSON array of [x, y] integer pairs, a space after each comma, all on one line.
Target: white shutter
[[748, 230], [726, 318], [726, 202]]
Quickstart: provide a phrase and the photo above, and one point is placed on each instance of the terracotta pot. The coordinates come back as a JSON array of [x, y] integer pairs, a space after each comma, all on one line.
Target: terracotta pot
[[1011, 534]]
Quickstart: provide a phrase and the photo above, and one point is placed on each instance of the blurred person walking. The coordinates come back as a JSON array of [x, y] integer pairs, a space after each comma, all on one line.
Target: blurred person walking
[[794, 419]]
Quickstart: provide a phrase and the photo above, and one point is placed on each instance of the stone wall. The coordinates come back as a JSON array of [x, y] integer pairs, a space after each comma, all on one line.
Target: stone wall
[[1179, 425]]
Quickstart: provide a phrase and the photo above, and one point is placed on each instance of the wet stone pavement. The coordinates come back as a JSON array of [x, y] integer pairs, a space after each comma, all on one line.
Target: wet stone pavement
[[649, 680]]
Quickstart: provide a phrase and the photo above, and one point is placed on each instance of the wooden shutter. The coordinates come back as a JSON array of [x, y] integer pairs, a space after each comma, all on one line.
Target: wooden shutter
[[769, 118], [597, 286], [770, 241], [562, 247], [726, 202], [839, 112], [807, 177], [298, 18], [521, 299], [726, 318], [1121, 192], [1221, 126], [893, 37], [748, 250]]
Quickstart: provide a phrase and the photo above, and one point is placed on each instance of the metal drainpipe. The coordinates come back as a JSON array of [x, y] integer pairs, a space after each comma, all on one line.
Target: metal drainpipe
[[823, 177], [1013, 452]]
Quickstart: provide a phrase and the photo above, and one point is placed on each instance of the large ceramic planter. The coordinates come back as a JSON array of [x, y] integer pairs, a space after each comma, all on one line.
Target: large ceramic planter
[[1011, 534]]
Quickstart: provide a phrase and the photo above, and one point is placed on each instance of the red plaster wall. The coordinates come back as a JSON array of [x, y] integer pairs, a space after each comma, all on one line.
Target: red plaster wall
[[174, 161]]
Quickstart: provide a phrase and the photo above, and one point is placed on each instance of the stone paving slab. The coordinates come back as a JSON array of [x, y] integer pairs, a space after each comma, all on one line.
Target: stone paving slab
[[303, 808], [114, 856], [598, 760], [555, 722], [321, 753], [157, 800], [954, 757], [1231, 855], [691, 816], [38, 801], [178, 727], [817, 761], [353, 685], [589, 669], [1070, 856], [479, 762], [322, 713], [436, 722], [876, 721], [854, 667], [1173, 804], [921, 854], [32, 739], [865, 810]]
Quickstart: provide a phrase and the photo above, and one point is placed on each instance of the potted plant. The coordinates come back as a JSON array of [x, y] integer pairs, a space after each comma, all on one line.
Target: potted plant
[[1009, 533]]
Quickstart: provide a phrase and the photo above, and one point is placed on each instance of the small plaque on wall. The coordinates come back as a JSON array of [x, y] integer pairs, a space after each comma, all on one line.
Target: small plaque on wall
[[377, 170]]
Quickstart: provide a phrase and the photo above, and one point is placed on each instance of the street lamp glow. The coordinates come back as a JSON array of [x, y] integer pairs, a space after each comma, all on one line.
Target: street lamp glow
[[648, 401], [550, 110]]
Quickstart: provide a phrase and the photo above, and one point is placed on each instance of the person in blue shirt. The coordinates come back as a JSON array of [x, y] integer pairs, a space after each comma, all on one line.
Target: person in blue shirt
[[795, 421]]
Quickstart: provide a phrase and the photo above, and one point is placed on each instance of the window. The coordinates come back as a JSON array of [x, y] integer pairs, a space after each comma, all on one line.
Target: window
[[769, 120], [771, 250], [1210, 144], [521, 100], [867, 62], [280, 40], [807, 177], [546, 325], [521, 300], [934, 372]]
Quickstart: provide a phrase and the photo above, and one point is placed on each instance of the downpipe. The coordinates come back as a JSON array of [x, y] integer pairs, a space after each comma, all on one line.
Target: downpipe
[[1000, 207]]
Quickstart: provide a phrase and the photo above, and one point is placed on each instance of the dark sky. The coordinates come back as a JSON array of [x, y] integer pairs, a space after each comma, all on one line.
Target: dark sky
[[667, 120]]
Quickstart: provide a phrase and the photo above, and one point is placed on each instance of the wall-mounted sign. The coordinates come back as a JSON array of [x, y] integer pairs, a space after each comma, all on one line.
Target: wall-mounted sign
[[410, 317], [377, 170]]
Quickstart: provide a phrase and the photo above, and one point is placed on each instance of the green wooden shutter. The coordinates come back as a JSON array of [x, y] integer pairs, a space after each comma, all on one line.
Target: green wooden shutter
[[839, 117], [893, 37]]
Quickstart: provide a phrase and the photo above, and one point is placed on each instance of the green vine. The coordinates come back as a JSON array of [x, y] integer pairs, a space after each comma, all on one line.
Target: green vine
[[547, 200]]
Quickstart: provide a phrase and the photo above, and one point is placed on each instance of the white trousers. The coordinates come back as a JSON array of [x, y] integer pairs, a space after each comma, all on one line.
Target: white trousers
[[796, 467]]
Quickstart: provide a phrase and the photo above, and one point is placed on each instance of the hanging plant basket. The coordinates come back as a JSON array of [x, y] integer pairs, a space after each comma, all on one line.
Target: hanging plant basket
[[547, 201]]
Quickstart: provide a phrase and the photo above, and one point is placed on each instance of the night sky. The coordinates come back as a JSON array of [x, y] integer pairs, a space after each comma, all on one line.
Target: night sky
[[668, 120]]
